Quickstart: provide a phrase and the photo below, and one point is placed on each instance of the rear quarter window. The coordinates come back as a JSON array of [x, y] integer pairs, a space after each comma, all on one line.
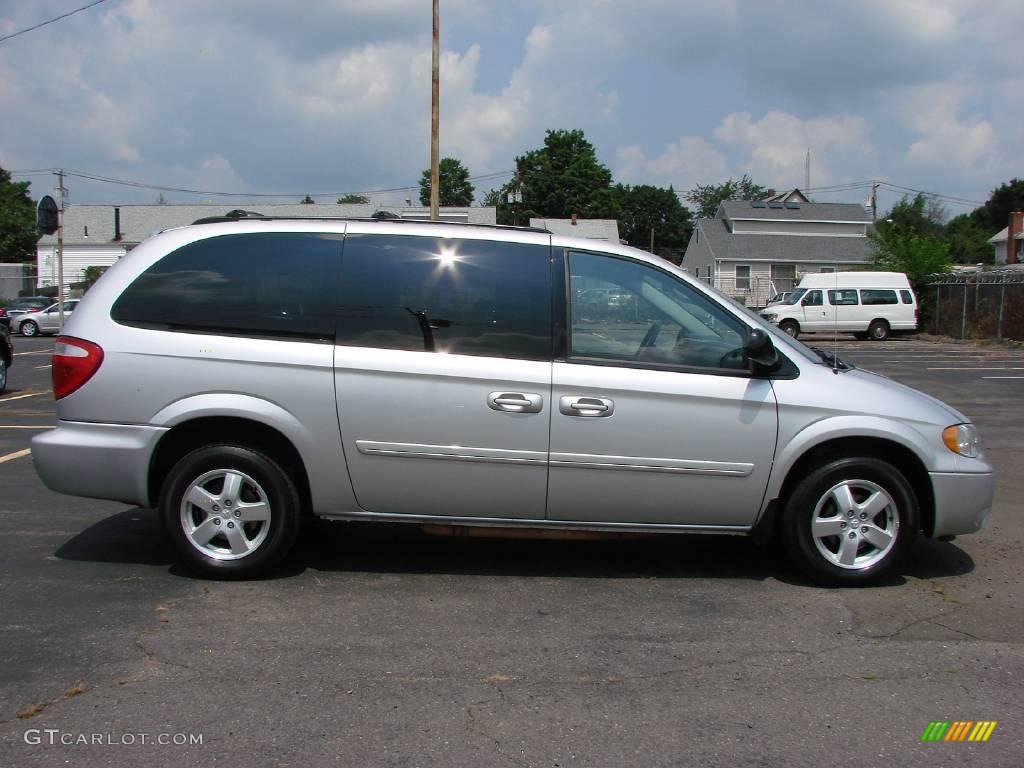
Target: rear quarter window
[[907, 297], [274, 284]]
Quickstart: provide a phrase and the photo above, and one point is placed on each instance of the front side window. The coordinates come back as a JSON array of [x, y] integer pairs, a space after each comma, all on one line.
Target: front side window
[[621, 310], [812, 299], [843, 298], [869, 296], [267, 284], [463, 297]]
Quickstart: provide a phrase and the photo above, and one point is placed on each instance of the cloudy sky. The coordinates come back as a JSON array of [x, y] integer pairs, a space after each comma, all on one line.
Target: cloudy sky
[[331, 96]]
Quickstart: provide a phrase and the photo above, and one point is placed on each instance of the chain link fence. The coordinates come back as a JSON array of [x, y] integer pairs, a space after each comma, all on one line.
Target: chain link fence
[[979, 305]]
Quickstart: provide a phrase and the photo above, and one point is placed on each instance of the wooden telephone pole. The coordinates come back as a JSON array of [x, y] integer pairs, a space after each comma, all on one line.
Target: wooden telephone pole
[[435, 111]]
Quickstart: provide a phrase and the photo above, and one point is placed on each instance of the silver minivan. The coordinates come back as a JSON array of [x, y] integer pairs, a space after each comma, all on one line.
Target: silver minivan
[[242, 375]]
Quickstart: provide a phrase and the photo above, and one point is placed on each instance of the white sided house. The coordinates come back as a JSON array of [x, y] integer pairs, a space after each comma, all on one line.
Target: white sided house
[[753, 249], [99, 235]]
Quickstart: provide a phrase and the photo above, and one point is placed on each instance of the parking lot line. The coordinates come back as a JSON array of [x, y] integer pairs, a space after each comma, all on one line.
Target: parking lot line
[[40, 367], [972, 368], [21, 426], [1002, 377], [15, 455], [21, 397], [37, 352]]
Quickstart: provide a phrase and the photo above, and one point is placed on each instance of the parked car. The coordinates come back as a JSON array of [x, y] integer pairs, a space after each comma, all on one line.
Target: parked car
[[25, 304], [6, 356], [867, 304], [45, 320], [779, 298], [241, 376]]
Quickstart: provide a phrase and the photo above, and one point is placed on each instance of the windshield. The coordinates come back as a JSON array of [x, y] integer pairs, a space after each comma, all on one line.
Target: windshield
[[795, 296]]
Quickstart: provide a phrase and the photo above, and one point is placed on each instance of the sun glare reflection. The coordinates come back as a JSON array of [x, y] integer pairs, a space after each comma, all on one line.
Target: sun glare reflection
[[447, 257]]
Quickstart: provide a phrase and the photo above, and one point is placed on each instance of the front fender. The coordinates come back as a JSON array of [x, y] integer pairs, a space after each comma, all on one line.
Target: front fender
[[915, 438]]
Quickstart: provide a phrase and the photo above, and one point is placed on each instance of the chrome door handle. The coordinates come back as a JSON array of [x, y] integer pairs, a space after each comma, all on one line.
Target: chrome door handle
[[586, 406], [515, 402]]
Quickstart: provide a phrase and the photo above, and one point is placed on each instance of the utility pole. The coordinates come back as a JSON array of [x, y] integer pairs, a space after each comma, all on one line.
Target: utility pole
[[60, 245], [874, 201], [435, 111], [807, 171]]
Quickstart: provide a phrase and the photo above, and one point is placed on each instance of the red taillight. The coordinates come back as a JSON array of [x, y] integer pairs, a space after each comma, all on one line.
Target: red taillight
[[74, 363]]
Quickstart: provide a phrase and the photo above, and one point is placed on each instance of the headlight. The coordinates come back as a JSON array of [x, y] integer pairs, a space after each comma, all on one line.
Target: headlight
[[963, 439], [771, 318]]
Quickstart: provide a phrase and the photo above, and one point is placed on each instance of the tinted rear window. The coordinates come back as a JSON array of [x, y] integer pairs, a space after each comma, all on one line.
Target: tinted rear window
[[275, 284], [872, 296], [466, 297], [907, 297]]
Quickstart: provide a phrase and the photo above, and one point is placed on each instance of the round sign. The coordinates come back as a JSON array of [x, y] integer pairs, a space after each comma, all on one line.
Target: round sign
[[46, 215]]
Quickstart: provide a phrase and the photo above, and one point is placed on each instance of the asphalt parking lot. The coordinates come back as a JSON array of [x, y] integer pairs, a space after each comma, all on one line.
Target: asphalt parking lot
[[381, 646]]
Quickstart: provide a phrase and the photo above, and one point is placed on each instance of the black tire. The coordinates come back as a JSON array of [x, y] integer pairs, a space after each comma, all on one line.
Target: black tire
[[3, 375], [877, 543], [878, 330], [791, 327], [860, 335], [28, 328], [262, 483]]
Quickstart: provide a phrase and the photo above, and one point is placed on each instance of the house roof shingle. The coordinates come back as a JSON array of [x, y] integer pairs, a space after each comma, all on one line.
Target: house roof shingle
[[781, 248], [742, 209]]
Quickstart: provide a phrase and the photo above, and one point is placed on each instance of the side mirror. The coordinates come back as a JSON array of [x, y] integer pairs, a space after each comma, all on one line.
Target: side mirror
[[760, 351]]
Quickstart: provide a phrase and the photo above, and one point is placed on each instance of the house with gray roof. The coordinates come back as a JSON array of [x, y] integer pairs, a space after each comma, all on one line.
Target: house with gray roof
[[99, 235], [753, 249]]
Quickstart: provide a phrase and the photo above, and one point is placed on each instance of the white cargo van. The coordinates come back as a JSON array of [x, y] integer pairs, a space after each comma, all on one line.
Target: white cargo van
[[867, 304]]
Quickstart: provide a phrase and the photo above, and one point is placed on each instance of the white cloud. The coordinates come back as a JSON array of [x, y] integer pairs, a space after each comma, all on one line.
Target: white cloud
[[684, 164], [945, 138]]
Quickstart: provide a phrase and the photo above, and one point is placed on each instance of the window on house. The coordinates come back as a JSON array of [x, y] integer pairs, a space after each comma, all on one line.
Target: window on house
[[827, 270], [742, 277]]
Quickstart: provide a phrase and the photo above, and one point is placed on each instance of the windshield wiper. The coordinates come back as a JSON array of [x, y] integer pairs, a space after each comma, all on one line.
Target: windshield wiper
[[833, 360]]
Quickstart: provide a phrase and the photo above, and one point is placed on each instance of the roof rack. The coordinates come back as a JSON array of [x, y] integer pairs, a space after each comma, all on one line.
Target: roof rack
[[239, 215]]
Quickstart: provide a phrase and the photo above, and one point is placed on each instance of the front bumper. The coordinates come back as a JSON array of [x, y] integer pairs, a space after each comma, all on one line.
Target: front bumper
[[101, 461], [962, 501]]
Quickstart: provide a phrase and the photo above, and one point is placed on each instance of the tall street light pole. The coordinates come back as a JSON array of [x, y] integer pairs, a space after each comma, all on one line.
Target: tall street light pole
[[435, 110]]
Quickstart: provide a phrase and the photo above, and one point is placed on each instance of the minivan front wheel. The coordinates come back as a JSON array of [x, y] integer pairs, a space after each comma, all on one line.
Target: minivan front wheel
[[850, 521], [231, 512]]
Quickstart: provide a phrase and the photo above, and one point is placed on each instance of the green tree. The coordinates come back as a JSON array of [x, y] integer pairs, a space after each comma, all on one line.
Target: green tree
[[995, 213], [707, 197], [564, 177], [18, 235], [307, 200], [353, 199], [968, 240], [910, 239], [453, 182], [647, 210]]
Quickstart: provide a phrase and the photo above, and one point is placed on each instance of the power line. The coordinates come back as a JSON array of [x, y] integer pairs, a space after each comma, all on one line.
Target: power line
[[50, 21], [164, 188]]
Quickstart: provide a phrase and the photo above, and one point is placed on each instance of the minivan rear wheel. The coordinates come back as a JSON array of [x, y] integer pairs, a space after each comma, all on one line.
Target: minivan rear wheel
[[850, 522], [790, 327], [878, 330], [231, 512]]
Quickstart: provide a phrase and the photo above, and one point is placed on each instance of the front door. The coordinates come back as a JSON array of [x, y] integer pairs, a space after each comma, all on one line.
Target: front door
[[443, 373], [815, 313], [655, 418]]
